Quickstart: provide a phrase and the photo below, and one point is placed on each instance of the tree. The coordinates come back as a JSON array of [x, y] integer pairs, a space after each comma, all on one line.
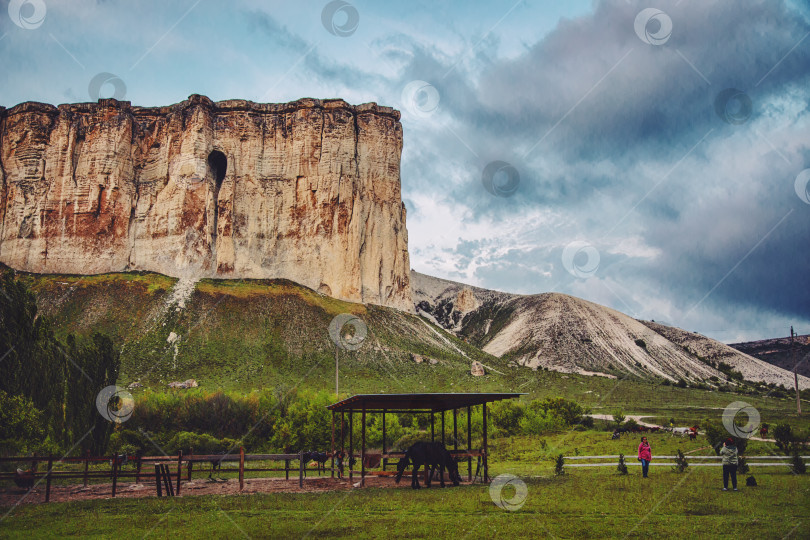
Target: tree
[[618, 417], [797, 465], [783, 434], [569, 411], [60, 379], [680, 462], [559, 465], [621, 467]]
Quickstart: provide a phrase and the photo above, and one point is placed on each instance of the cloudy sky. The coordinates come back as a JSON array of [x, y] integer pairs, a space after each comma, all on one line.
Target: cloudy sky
[[648, 156]]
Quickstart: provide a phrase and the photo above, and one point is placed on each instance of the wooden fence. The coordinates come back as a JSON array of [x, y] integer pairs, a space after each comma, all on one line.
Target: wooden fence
[[697, 461], [164, 471]]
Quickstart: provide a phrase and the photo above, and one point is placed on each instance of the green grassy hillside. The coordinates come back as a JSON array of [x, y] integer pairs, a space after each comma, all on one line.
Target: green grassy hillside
[[242, 335], [251, 334]]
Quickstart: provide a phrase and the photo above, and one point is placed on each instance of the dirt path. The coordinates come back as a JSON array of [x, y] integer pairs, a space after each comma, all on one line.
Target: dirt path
[[637, 418], [12, 496], [640, 421]]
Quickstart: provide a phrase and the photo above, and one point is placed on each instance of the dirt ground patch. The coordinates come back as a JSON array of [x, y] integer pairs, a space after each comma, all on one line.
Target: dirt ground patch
[[11, 496]]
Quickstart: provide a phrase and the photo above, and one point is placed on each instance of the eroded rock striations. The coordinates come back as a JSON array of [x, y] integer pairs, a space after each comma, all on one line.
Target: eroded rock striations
[[308, 191]]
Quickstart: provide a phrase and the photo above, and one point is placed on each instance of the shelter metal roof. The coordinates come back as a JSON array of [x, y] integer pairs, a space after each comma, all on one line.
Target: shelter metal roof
[[434, 402]]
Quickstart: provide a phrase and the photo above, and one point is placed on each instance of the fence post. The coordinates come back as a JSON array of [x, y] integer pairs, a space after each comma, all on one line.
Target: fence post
[[286, 469], [241, 468], [158, 480], [48, 482], [167, 478], [86, 465], [190, 464], [301, 469], [179, 469], [114, 473]]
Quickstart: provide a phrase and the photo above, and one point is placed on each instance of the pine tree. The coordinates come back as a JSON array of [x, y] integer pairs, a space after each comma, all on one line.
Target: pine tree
[[680, 462], [621, 467], [559, 465], [797, 465]]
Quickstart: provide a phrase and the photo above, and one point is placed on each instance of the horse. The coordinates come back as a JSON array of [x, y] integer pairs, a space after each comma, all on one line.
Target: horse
[[431, 456], [320, 459]]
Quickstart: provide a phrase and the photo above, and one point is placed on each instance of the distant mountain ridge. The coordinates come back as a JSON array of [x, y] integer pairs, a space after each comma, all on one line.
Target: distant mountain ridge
[[778, 352], [564, 333]]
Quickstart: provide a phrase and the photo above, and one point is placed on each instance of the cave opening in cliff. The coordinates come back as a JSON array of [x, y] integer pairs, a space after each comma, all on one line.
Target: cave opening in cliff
[[219, 166]]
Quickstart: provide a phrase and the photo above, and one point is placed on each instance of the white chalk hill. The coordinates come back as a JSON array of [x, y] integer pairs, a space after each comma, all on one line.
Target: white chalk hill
[[568, 334]]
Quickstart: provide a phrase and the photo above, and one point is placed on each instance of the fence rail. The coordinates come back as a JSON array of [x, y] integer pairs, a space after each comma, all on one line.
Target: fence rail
[[703, 461], [172, 481]]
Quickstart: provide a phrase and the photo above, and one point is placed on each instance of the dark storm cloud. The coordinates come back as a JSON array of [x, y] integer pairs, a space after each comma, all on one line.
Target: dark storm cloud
[[622, 137]]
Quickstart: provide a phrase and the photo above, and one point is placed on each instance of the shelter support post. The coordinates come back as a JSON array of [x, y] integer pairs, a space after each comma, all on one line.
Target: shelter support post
[[363, 449], [332, 451], [469, 443], [384, 459], [486, 461]]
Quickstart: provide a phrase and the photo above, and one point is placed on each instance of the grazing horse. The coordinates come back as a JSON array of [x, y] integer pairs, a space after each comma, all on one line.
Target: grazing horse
[[431, 456], [682, 431], [320, 459], [216, 464], [25, 479]]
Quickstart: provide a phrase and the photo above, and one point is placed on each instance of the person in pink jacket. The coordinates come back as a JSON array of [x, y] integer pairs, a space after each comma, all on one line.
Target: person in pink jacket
[[644, 456]]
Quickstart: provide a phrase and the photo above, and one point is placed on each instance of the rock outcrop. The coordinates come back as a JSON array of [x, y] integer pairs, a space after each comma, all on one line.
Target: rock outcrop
[[308, 191]]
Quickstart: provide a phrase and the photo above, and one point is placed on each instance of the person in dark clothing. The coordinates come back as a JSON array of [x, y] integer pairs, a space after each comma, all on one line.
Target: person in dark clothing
[[730, 461], [644, 456]]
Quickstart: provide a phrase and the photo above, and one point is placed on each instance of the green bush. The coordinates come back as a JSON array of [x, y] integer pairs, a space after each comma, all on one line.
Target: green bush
[[20, 419], [536, 421], [406, 441], [797, 465], [506, 416], [200, 444], [569, 411], [783, 434]]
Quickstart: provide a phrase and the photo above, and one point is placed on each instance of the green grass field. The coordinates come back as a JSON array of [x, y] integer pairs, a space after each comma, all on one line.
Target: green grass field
[[584, 503]]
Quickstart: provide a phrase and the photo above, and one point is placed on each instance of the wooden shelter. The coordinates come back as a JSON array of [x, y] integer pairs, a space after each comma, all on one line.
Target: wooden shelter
[[363, 404]]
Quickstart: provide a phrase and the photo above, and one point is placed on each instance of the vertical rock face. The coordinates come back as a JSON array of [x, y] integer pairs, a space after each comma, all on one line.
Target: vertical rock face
[[308, 191]]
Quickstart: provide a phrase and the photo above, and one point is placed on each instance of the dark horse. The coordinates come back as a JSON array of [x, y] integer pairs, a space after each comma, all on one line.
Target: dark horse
[[320, 459], [431, 456]]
